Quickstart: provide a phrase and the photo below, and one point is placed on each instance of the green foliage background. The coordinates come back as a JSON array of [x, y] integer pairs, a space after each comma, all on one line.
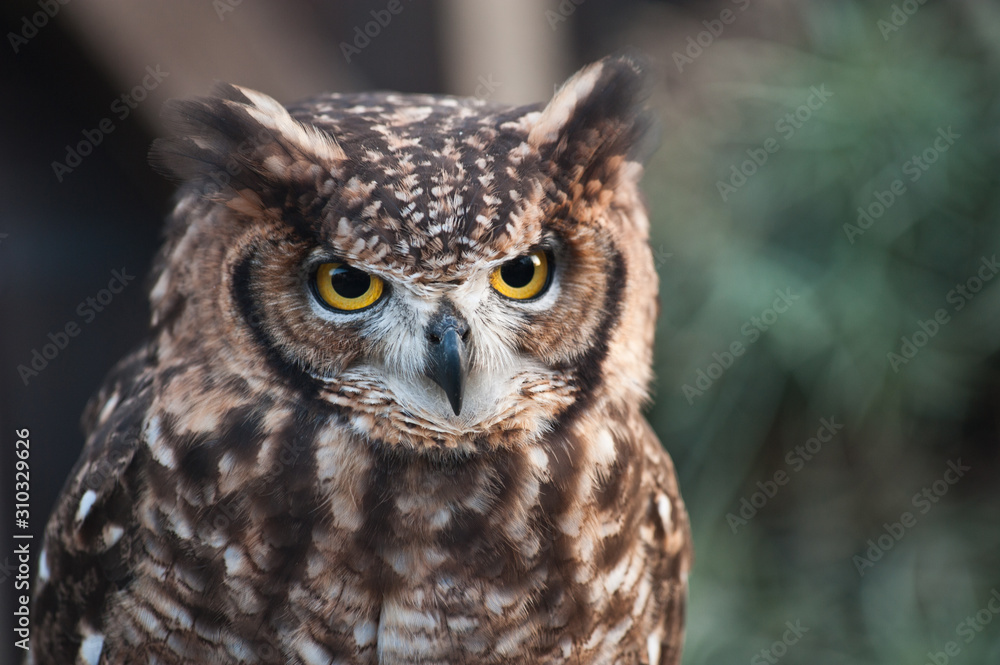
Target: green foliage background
[[720, 262]]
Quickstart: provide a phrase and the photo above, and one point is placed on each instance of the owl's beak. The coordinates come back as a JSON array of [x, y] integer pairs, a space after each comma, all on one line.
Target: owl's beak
[[447, 361]]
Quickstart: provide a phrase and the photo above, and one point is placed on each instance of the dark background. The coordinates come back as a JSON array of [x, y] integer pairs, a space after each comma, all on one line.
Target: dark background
[[881, 93]]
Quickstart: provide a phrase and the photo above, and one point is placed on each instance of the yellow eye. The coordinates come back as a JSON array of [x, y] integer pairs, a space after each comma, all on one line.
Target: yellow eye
[[345, 288], [523, 278]]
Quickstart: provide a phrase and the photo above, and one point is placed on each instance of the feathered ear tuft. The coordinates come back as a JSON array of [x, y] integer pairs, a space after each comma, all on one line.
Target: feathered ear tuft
[[238, 138], [599, 119]]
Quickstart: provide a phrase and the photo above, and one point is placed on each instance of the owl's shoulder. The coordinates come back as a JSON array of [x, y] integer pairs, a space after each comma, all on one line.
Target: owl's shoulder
[[667, 512], [87, 543], [127, 379], [113, 423]]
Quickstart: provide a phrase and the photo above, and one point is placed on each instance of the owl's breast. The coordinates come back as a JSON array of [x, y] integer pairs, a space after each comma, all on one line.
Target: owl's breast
[[337, 549], [424, 560]]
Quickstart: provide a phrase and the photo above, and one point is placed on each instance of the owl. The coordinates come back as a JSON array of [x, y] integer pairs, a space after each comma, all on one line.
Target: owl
[[388, 409]]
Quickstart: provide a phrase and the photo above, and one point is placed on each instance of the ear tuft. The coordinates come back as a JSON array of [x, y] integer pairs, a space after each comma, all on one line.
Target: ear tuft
[[599, 114], [238, 138]]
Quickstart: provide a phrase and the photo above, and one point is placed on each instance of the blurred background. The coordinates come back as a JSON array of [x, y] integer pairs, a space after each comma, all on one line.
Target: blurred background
[[825, 209]]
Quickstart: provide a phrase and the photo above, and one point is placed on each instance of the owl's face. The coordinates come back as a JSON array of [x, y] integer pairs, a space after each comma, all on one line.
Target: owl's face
[[450, 350], [444, 272]]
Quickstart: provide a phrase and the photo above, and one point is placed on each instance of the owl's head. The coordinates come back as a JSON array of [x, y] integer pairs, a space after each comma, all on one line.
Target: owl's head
[[439, 271]]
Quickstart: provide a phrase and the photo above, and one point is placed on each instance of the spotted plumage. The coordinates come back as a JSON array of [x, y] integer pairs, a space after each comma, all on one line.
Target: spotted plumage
[[438, 469]]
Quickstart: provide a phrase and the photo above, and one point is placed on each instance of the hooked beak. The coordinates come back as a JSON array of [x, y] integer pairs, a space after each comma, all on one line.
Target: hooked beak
[[447, 362]]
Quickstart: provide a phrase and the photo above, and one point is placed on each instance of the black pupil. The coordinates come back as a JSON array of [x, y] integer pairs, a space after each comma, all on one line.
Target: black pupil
[[518, 273], [350, 282]]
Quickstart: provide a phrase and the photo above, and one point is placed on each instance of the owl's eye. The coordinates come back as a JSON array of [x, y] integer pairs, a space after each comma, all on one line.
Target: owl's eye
[[345, 288], [523, 278]]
